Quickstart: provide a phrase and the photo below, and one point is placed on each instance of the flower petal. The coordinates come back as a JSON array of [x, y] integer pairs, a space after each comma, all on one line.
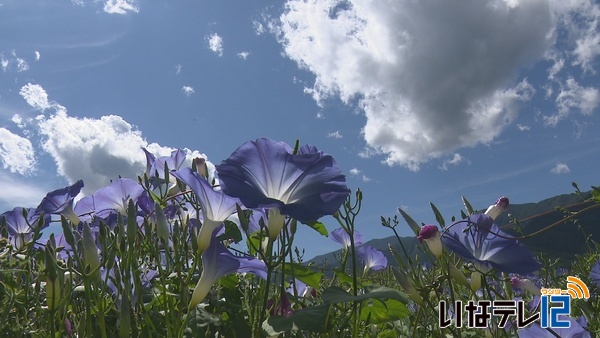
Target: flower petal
[[264, 174]]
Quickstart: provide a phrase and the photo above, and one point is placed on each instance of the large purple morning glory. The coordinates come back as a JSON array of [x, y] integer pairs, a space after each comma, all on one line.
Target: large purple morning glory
[[20, 224], [479, 240], [216, 206], [265, 174], [60, 202], [113, 198], [218, 262]]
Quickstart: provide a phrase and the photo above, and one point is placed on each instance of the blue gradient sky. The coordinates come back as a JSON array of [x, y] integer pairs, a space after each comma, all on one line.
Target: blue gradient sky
[[418, 101]]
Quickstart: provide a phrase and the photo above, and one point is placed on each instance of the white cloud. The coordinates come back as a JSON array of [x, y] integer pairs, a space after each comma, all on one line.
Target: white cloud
[[4, 62], [17, 192], [21, 65], [335, 134], [430, 77], [243, 55], [455, 160], [16, 153], [178, 69], [354, 171], [365, 178], [37, 56], [215, 43], [258, 27], [523, 127], [13, 62], [120, 6], [95, 150], [572, 96], [320, 116], [35, 96], [560, 168], [187, 90]]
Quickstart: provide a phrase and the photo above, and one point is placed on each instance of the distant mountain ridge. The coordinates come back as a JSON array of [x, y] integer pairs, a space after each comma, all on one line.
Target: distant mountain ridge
[[564, 241]]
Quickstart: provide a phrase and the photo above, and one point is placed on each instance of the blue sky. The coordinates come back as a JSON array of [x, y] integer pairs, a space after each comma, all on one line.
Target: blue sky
[[418, 101]]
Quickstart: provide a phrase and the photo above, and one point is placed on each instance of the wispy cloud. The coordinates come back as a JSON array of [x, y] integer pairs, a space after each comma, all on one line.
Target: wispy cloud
[[573, 97], [335, 134], [354, 171], [215, 43], [560, 168], [455, 160], [178, 68], [243, 55], [187, 90], [523, 127], [18, 192], [120, 6]]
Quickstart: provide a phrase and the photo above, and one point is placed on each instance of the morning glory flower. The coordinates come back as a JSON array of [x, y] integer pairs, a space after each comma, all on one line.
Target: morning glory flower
[[113, 198], [21, 223], [595, 273], [431, 235], [218, 262], [340, 235], [479, 240], [265, 174], [60, 202], [173, 162], [216, 206], [372, 258]]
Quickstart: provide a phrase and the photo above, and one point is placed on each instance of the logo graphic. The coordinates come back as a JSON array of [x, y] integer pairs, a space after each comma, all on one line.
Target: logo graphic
[[576, 288], [553, 303]]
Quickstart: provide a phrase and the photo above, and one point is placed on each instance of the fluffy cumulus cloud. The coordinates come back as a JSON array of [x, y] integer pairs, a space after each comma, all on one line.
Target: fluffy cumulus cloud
[[35, 96], [560, 168], [95, 150], [215, 43], [573, 97], [16, 153], [430, 76]]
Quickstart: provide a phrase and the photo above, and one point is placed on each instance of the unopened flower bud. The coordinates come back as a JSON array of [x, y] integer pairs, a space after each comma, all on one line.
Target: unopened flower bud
[[431, 235], [495, 210]]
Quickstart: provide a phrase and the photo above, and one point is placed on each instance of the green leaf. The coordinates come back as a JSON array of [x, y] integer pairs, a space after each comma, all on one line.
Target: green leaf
[[411, 222], [335, 294], [318, 227], [438, 215], [378, 312], [467, 205], [343, 277], [312, 318], [231, 232], [198, 320], [307, 275]]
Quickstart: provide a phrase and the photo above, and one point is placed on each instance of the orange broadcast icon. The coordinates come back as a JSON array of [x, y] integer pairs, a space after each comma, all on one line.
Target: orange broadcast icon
[[576, 288]]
